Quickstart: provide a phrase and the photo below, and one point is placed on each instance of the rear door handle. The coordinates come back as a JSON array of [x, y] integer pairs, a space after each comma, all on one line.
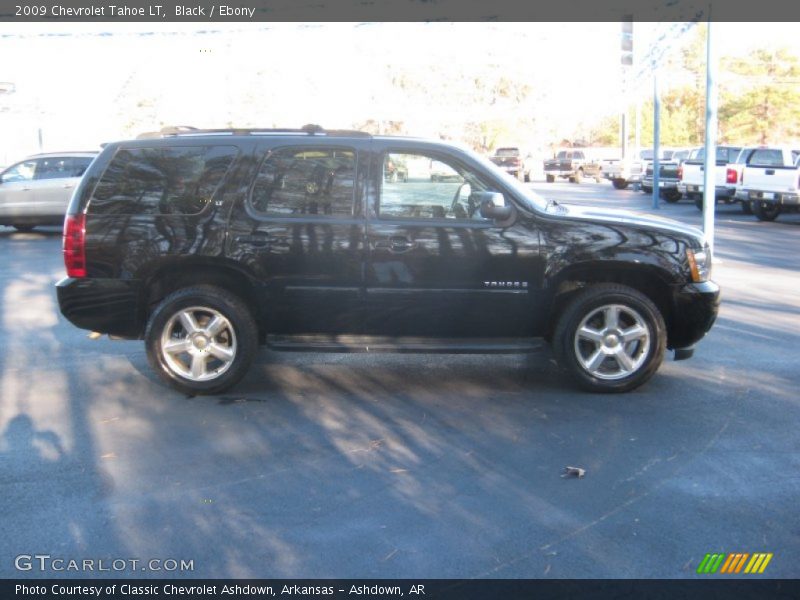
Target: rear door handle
[[257, 239]]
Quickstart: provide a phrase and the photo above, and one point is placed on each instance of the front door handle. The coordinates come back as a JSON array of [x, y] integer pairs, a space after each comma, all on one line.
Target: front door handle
[[257, 239], [395, 243]]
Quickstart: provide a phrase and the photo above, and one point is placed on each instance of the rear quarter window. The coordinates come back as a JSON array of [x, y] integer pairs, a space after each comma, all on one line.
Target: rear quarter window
[[161, 180]]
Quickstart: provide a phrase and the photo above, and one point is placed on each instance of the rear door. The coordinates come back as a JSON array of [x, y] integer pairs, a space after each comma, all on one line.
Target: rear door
[[56, 178], [435, 267], [301, 230], [16, 190]]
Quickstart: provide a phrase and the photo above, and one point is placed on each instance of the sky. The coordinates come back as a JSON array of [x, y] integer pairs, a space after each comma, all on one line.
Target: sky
[[75, 81]]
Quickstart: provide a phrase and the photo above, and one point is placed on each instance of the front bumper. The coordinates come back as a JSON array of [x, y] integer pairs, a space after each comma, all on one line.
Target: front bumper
[[111, 306], [694, 309]]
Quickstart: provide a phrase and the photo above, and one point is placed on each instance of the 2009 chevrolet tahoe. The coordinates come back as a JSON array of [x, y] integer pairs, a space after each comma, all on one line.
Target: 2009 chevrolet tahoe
[[208, 243]]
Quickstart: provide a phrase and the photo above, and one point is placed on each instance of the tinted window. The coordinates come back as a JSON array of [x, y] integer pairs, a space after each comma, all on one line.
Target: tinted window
[[766, 157], [57, 167], [432, 189], [165, 180], [23, 171], [305, 181]]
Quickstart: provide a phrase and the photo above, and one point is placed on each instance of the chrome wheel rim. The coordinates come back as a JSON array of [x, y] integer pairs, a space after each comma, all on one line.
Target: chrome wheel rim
[[612, 342], [198, 343]]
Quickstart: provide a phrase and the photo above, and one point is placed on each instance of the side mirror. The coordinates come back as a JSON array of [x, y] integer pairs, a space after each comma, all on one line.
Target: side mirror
[[493, 206]]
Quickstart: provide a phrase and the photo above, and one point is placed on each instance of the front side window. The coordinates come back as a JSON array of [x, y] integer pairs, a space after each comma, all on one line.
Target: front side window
[[431, 188], [23, 171], [305, 181], [163, 180]]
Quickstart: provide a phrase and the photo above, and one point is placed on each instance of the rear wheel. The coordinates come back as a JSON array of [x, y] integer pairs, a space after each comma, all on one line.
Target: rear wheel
[[619, 184], [747, 207], [611, 338], [550, 178], [672, 196], [201, 340], [766, 211]]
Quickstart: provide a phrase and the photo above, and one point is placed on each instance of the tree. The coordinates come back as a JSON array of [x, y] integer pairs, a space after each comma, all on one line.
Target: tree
[[768, 109]]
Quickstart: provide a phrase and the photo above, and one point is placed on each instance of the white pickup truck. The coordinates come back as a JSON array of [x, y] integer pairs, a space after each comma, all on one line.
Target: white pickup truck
[[692, 175], [770, 180]]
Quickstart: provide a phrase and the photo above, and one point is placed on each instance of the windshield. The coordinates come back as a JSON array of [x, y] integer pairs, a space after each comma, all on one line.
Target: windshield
[[532, 200], [507, 152]]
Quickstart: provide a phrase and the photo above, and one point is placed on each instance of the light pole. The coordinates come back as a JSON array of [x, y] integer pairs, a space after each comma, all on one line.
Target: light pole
[[710, 162]]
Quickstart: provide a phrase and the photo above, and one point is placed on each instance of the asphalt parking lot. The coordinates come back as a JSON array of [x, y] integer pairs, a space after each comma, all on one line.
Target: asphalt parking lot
[[331, 465]]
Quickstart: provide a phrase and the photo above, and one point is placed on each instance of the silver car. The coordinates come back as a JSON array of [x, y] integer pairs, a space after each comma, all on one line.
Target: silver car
[[37, 190]]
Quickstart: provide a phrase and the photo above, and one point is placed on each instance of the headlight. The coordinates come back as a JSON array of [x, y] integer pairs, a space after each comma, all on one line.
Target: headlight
[[699, 264]]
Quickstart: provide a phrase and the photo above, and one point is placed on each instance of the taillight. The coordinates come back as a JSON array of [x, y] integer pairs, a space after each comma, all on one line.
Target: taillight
[[74, 244], [731, 176], [680, 173]]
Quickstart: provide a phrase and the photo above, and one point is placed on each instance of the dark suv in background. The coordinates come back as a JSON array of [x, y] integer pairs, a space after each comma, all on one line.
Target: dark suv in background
[[208, 243]]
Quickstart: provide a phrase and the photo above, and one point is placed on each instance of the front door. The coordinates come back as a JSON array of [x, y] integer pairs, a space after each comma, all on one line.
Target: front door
[[435, 266]]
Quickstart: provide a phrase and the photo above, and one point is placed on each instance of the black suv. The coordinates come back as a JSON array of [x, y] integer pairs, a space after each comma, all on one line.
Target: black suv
[[208, 243]]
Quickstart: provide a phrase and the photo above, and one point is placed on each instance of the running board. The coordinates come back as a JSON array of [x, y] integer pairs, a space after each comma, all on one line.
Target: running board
[[367, 343]]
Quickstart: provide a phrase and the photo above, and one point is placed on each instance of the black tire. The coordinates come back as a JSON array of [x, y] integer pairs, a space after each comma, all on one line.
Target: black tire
[[24, 228], [698, 202], [244, 339], [650, 354], [550, 178], [672, 196], [646, 190], [766, 211], [619, 184], [747, 208], [527, 177]]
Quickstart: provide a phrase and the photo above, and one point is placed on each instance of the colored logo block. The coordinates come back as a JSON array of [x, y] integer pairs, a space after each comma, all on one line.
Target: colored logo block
[[735, 562]]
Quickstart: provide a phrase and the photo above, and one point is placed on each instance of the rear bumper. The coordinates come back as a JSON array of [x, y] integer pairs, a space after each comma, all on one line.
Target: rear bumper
[[782, 198], [720, 191], [111, 306], [695, 308], [663, 184]]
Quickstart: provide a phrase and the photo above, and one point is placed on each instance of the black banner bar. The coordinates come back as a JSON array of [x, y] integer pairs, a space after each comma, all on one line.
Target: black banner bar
[[394, 10], [426, 589]]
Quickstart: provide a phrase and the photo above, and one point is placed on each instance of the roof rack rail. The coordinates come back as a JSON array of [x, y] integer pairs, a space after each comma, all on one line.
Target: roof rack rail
[[309, 129]]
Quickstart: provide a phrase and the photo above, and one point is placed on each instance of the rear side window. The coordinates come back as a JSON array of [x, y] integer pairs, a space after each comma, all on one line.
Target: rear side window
[[23, 171], [305, 181], [164, 180], [58, 167]]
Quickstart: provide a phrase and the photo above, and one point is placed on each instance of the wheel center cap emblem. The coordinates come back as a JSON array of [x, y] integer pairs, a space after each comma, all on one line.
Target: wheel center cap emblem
[[611, 340], [200, 342]]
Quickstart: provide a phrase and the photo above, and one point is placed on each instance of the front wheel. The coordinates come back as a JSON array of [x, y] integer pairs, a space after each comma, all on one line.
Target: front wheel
[[611, 338], [201, 340], [619, 184], [766, 211]]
